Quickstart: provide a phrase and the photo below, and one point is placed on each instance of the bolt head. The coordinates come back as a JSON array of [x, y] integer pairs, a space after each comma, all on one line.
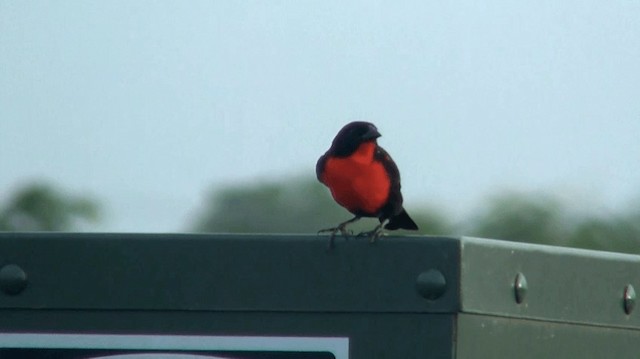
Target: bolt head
[[629, 299], [520, 288], [431, 284], [13, 279]]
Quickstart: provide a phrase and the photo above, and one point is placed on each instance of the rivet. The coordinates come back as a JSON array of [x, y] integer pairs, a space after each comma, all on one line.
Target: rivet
[[629, 298], [13, 279], [520, 288], [431, 284]]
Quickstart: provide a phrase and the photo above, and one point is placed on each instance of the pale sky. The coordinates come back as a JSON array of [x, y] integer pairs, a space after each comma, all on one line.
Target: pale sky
[[148, 104]]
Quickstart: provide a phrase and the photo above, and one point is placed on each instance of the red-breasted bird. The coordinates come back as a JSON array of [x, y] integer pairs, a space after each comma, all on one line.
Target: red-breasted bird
[[363, 179]]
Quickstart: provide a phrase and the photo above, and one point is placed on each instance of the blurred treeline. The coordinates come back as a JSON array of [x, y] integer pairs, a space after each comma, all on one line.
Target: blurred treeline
[[302, 205], [40, 206]]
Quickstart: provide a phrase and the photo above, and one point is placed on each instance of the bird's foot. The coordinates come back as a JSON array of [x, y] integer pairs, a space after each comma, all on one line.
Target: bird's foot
[[342, 229], [374, 234], [334, 230]]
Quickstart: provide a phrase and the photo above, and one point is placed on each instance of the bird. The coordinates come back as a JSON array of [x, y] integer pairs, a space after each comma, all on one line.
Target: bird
[[363, 179]]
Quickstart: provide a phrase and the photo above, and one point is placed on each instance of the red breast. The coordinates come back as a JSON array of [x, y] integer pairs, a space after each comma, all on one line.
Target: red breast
[[358, 182]]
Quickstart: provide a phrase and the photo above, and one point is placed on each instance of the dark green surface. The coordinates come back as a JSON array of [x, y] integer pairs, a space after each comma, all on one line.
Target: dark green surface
[[291, 286], [227, 272]]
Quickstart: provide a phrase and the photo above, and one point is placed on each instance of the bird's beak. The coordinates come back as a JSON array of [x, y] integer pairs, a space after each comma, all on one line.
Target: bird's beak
[[371, 134]]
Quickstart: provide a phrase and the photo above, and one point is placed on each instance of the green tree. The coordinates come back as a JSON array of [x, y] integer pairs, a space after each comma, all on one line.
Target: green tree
[[522, 218], [543, 219], [618, 233], [299, 205], [43, 207]]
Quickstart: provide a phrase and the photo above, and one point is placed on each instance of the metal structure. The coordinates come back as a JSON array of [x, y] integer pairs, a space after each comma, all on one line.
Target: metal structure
[[285, 296]]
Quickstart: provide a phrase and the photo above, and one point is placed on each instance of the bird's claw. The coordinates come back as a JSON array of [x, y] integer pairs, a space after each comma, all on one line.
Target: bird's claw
[[373, 235], [334, 231], [342, 228], [343, 231]]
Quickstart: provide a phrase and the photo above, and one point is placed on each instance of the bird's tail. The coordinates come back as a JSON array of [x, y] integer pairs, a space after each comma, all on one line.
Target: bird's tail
[[401, 221]]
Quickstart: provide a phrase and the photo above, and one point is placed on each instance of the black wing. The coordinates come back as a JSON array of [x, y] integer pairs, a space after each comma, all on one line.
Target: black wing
[[394, 203], [320, 166]]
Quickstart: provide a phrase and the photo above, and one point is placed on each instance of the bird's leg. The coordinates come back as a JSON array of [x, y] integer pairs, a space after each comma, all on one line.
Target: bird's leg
[[342, 228], [375, 233]]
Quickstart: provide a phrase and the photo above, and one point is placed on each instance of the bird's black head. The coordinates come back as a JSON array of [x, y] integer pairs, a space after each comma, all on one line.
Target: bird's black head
[[351, 136]]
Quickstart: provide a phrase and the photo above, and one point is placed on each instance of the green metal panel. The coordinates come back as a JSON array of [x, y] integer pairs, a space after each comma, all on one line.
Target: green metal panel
[[236, 285], [227, 272], [564, 284], [491, 337]]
